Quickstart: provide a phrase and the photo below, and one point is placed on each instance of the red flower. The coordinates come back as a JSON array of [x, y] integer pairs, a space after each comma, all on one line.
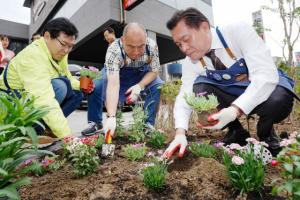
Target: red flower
[[274, 163]]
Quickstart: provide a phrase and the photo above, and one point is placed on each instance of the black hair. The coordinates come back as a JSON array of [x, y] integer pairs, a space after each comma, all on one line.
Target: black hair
[[4, 36], [110, 30], [36, 33], [191, 16], [61, 24]]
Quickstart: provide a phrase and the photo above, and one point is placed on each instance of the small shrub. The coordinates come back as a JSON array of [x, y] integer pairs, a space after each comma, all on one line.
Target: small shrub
[[154, 177], [120, 129], [203, 150], [135, 152], [201, 103], [157, 139], [137, 133]]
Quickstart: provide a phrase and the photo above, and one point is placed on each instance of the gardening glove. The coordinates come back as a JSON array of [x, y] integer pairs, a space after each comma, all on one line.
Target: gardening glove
[[110, 126], [90, 89], [180, 143], [133, 93], [222, 118]]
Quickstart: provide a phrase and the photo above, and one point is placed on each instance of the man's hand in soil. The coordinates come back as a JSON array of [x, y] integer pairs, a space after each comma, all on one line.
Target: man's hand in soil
[[222, 118], [179, 142], [133, 93], [90, 89], [110, 125]]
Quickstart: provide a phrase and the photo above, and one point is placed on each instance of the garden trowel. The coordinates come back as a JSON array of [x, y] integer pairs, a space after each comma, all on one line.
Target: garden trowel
[[108, 149]]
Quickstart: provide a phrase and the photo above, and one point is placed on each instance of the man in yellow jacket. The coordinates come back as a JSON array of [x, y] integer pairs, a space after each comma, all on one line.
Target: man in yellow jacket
[[41, 69]]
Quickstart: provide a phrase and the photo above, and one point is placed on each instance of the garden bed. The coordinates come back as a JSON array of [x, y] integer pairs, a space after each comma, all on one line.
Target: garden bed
[[189, 177]]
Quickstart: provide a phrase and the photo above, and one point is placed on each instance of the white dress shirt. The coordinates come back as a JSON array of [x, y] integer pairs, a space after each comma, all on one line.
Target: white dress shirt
[[244, 42]]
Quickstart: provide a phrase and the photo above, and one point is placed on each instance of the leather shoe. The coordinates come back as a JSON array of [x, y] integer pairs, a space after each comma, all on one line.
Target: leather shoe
[[236, 135]]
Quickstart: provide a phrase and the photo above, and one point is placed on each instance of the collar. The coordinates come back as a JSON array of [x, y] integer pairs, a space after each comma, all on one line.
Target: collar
[[216, 42]]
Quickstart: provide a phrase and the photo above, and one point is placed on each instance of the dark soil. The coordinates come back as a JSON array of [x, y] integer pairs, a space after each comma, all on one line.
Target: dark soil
[[117, 178]]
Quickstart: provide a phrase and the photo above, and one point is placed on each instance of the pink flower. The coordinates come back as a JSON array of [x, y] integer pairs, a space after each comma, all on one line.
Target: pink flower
[[237, 160], [137, 145], [263, 144], [160, 152], [274, 163], [201, 94], [47, 162], [287, 142], [67, 139], [219, 144], [252, 140], [150, 154], [94, 69], [234, 146]]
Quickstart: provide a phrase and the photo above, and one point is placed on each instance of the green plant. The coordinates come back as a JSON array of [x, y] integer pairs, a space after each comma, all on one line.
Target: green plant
[[203, 150], [138, 126], [135, 152], [91, 72], [170, 90], [157, 139], [82, 153], [288, 161], [244, 169], [17, 115], [40, 168], [201, 103], [154, 177], [120, 129]]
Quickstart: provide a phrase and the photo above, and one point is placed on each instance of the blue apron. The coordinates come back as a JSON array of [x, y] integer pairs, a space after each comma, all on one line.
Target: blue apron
[[229, 81], [130, 76]]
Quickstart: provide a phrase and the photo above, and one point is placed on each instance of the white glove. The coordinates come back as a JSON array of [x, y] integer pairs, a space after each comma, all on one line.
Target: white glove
[[178, 142], [133, 93], [110, 125], [223, 117]]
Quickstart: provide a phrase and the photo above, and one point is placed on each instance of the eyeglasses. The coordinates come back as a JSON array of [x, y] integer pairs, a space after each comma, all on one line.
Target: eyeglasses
[[69, 47]]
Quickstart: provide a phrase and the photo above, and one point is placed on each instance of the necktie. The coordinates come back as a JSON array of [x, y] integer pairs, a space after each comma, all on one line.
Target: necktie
[[217, 63]]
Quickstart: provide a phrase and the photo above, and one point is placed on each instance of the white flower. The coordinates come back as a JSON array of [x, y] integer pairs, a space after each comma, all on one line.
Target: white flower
[[252, 140], [234, 146], [237, 160], [287, 142], [263, 144]]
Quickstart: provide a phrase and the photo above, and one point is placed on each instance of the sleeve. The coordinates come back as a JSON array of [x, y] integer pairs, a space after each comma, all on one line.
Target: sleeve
[[37, 81], [182, 110], [262, 70], [113, 59], [155, 63]]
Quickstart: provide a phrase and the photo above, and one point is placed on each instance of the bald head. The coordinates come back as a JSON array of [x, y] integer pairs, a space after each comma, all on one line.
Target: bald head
[[134, 40], [134, 29]]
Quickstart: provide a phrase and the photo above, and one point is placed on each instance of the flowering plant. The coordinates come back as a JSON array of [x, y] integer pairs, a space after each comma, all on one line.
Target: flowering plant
[[82, 153], [245, 165], [288, 162], [203, 150], [40, 168], [135, 151], [90, 71]]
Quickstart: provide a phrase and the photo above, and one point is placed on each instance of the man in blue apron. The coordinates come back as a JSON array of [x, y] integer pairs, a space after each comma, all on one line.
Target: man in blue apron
[[132, 66], [234, 64]]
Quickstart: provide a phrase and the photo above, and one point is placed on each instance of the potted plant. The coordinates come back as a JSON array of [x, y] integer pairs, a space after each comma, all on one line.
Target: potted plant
[[203, 106], [87, 74]]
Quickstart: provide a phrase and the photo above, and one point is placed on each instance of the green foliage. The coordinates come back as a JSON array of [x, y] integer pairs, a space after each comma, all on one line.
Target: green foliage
[[120, 129], [170, 90], [248, 175], [203, 150], [157, 139], [289, 164], [201, 103], [154, 177], [82, 154], [138, 126], [135, 152], [91, 72], [17, 115]]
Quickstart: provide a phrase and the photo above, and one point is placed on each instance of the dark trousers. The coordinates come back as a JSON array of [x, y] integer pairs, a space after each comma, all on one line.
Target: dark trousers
[[275, 109]]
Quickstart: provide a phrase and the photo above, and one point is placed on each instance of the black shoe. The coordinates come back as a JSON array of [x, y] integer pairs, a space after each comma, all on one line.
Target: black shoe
[[238, 135], [274, 145], [92, 129]]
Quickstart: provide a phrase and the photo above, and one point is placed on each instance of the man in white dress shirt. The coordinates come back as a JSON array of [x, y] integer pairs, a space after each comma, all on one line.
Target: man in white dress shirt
[[241, 74]]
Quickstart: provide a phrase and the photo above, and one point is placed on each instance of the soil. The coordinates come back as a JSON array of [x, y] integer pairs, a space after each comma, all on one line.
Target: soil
[[117, 178]]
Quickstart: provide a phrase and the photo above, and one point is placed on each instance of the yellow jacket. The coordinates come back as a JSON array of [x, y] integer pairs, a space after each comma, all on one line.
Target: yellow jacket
[[32, 70]]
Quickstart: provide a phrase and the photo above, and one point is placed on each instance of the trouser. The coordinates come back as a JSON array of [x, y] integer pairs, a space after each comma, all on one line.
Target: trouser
[[275, 109], [151, 96]]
